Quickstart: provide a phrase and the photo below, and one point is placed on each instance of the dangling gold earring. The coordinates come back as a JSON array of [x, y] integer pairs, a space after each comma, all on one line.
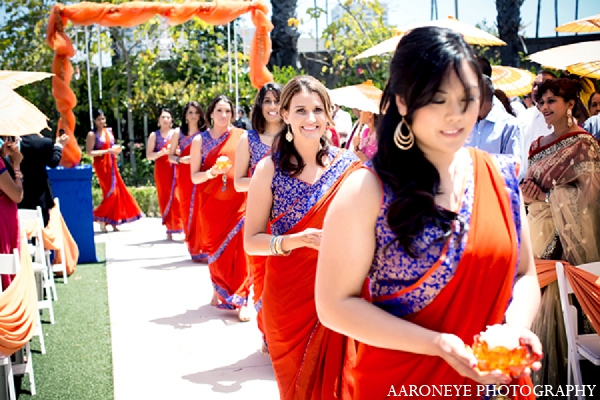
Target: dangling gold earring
[[569, 118], [404, 142], [289, 136]]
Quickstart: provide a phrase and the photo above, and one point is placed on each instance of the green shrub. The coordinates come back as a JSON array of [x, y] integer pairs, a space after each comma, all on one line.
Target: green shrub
[[144, 195]]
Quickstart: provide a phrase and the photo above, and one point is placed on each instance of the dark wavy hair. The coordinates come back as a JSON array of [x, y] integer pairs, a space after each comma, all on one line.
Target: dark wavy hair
[[257, 119], [567, 89], [288, 159], [201, 122], [211, 107], [420, 64], [592, 98], [96, 112]]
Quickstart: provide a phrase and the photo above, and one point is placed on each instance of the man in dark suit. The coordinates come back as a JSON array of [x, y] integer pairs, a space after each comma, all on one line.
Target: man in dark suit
[[39, 152]]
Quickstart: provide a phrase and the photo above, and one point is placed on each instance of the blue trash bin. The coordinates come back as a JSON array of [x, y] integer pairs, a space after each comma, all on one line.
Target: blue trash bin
[[73, 187]]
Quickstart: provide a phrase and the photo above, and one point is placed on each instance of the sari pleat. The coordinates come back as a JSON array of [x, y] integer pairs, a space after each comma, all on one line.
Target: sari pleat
[[310, 361], [221, 216], [186, 191], [476, 296], [166, 183], [118, 205]]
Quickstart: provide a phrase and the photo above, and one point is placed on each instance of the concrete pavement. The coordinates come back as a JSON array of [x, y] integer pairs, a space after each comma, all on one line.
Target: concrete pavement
[[167, 341]]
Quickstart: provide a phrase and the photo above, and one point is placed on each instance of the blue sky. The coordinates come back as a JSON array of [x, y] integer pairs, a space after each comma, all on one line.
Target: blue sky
[[403, 12]]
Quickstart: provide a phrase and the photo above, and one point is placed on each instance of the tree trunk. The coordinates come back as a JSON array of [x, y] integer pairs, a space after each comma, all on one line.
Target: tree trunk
[[284, 37], [509, 20]]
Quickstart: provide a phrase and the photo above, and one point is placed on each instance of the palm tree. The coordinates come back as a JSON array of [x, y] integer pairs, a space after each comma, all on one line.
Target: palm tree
[[509, 20], [284, 37]]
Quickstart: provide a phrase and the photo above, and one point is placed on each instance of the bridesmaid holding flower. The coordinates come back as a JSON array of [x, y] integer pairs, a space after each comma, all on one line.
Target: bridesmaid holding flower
[[220, 216]]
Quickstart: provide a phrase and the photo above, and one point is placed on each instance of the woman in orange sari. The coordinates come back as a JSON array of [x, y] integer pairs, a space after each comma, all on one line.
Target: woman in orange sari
[[192, 123], [118, 205], [253, 147], [164, 174], [431, 239], [290, 193], [221, 208]]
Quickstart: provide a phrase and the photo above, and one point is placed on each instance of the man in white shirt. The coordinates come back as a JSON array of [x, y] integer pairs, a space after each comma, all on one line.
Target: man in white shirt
[[343, 123], [532, 122]]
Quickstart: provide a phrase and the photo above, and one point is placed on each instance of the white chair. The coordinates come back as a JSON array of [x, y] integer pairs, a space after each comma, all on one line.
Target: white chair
[[39, 260], [62, 266], [10, 264], [580, 346]]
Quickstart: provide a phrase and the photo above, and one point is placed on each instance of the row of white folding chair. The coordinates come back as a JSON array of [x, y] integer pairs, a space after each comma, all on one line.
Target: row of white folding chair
[[40, 264], [580, 347], [10, 265]]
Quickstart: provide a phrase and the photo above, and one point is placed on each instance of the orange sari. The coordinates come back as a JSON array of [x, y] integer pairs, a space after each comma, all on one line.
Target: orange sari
[[166, 182], [473, 289], [310, 361], [118, 205], [221, 216], [186, 192]]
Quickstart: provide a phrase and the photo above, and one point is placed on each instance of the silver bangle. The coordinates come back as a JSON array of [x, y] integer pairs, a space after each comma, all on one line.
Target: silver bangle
[[209, 174]]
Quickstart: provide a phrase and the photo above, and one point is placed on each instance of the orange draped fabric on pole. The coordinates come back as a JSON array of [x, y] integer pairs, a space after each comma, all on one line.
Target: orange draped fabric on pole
[[18, 308], [586, 287], [132, 14]]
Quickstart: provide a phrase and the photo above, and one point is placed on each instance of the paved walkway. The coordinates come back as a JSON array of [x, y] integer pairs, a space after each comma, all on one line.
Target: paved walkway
[[167, 341]]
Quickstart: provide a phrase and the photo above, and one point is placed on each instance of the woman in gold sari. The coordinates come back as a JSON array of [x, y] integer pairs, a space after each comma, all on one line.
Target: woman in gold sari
[[561, 187]]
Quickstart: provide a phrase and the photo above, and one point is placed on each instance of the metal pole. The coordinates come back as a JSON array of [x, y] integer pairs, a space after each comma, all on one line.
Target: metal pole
[[316, 31], [145, 130], [235, 51], [537, 19], [556, 15], [229, 57], [456, 8], [327, 12], [89, 79], [576, 12], [99, 63]]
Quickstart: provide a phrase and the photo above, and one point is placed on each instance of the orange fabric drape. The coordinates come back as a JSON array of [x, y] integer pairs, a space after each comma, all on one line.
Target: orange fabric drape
[[18, 307], [221, 218], [475, 297], [546, 271], [586, 287], [55, 231], [52, 234], [309, 360], [132, 14]]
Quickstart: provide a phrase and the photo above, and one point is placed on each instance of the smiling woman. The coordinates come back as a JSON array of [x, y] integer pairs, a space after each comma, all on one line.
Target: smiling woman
[[410, 233], [288, 197]]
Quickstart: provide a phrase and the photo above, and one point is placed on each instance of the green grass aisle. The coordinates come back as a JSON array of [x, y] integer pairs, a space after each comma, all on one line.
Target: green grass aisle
[[78, 360]]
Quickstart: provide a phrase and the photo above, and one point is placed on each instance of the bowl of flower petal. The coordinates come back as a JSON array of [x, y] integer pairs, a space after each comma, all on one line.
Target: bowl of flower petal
[[223, 162], [500, 348]]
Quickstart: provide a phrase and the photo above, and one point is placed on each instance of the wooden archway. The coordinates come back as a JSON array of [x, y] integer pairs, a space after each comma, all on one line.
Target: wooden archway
[[131, 14]]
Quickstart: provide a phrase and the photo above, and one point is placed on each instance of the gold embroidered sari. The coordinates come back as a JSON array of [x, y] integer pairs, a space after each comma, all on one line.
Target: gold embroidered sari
[[565, 228], [568, 227]]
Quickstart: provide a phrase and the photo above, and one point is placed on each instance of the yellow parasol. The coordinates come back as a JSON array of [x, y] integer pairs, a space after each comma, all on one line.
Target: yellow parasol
[[17, 115], [587, 24], [365, 96], [471, 34], [578, 58], [14, 79], [512, 81]]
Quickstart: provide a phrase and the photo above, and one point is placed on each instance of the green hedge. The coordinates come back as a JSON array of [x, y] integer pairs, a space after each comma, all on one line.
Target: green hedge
[[144, 195]]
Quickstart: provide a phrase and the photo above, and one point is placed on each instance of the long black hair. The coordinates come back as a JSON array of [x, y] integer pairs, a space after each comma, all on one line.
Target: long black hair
[[257, 119], [184, 129], [213, 104], [417, 70], [287, 157]]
